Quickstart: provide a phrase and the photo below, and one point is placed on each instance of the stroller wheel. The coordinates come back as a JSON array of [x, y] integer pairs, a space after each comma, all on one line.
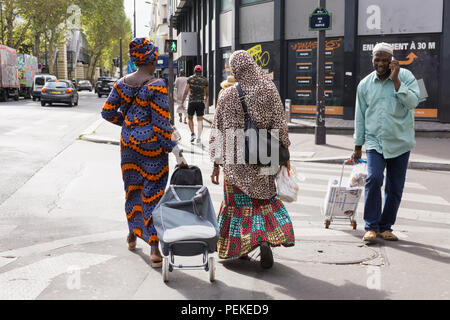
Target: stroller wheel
[[165, 269], [212, 269]]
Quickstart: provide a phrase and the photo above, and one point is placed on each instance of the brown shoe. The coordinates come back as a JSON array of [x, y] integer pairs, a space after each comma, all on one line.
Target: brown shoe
[[131, 240], [370, 236], [388, 236], [155, 257]]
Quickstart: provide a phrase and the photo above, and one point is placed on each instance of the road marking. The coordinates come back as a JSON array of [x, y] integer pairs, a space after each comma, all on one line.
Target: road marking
[[27, 283], [424, 215], [48, 246], [323, 177]]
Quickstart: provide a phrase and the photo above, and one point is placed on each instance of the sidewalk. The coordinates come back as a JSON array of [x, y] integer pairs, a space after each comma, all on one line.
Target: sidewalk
[[429, 153], [325, 263]]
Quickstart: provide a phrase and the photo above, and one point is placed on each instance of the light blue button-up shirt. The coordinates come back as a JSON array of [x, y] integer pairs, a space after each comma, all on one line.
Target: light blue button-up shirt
[[384, 118]]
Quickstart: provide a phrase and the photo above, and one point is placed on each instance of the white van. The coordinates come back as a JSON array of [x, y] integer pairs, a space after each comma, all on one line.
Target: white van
[[38, 83]]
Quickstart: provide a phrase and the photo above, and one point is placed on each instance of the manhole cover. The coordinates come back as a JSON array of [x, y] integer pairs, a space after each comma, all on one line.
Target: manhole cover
[[326, 252]]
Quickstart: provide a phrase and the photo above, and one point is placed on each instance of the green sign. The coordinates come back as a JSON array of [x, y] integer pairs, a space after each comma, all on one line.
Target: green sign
[[171, 45], [320, 20]]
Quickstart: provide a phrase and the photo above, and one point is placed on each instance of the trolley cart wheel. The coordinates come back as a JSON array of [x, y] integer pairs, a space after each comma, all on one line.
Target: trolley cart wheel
[[212, 269], [327, 224], [165, 269], [354, 225]]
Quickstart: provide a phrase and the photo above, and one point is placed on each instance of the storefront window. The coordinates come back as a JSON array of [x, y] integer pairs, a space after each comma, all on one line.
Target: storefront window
[[226, 5], [243, 2], [226, 71]]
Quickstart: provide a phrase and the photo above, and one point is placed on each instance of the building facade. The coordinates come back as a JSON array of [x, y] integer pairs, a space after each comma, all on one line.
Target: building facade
[[159, 33], [276, 34]]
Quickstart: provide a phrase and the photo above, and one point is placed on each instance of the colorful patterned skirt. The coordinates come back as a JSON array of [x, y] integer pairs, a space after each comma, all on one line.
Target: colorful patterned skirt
[[245, 223], [145, 181]]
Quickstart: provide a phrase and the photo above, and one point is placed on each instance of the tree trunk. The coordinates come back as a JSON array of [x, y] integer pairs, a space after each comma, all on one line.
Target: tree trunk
[[9, 26], [51, 52], [93, 66], [36, 48]]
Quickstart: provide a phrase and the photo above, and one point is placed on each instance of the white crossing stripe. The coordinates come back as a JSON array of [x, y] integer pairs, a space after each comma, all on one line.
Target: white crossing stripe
[[27, 283], [323, 177]]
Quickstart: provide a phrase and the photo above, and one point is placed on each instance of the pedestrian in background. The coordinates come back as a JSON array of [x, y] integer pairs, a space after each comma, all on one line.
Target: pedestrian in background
[[251, 214], [230, 81], [384, 123], [180, 86], [197, 88], [139, 104]]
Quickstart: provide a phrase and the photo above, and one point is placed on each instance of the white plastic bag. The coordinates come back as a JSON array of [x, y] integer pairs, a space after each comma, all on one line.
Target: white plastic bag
[[176, 134], [287, 184], [358, 175]]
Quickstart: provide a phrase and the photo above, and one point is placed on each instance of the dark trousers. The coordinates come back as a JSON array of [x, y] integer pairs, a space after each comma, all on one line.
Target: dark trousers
[[377, 218]]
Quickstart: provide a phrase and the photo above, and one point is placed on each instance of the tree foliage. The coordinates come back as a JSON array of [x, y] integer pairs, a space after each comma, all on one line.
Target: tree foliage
[[103, 27], [38, 27]]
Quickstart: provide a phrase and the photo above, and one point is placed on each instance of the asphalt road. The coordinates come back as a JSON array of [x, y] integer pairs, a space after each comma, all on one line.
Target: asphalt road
[[63, 229]]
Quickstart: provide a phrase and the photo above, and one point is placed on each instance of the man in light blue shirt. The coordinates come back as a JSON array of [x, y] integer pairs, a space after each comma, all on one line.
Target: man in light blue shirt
[[384, 123]]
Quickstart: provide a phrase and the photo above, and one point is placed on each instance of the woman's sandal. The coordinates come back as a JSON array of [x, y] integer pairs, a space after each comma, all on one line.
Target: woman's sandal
[[156, 260], [131, 240]]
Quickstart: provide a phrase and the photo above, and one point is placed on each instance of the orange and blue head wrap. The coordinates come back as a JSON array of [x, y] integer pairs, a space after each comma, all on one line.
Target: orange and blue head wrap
[[142, 51]]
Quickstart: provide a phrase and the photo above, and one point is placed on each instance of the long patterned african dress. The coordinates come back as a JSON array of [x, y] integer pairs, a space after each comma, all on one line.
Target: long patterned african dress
[[251, 212], [146, 140]]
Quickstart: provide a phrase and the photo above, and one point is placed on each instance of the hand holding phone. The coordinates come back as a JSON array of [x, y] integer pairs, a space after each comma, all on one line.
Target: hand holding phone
[[394, 66]]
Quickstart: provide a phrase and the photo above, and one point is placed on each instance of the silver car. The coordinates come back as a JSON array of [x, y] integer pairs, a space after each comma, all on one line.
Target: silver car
[[59, 91]]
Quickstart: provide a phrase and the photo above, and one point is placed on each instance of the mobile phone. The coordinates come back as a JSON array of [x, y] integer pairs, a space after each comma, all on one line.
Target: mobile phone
[[392, 59]]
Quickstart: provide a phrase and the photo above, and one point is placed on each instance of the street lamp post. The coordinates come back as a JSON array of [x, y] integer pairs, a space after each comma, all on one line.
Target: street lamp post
[[171, 76], [120, 61], [134, 18]]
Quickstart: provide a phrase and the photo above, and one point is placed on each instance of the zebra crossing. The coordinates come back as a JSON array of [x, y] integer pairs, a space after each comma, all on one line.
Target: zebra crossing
[[417, 202]]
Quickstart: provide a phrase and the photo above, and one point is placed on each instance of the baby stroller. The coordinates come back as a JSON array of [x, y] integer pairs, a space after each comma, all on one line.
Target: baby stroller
[[185, 222]]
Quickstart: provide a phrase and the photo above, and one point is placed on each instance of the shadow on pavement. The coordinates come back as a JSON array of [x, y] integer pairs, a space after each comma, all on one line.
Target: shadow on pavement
[[416, 248], [192, 288], [292, 283], [423, 250]]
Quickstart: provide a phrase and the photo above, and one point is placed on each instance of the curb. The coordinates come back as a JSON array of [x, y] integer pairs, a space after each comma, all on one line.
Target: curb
[[88, 135], [419, 165], [98, 139], [442, 134]]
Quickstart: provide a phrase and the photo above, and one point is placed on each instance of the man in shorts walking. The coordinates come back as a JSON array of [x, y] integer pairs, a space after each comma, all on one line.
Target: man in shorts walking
[[197, 88]]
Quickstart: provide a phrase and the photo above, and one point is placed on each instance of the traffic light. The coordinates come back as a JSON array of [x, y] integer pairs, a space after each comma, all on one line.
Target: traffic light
[[171, 46], [116, 62]]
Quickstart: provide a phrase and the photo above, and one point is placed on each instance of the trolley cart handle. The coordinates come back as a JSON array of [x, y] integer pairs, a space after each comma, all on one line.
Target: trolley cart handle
[[359, 160]]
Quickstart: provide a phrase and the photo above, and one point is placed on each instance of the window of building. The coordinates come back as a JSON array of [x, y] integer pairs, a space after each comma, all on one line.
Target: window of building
[[225, 5], [226, 71], [244, 2]]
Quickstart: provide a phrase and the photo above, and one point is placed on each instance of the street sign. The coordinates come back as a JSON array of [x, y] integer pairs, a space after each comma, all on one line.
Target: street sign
[[320, 20]]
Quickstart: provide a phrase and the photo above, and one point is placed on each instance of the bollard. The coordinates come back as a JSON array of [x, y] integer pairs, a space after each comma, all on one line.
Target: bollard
[[287, 106]]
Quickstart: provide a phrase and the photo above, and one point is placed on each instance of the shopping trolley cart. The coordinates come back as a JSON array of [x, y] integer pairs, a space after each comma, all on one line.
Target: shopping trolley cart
[[341, 201]]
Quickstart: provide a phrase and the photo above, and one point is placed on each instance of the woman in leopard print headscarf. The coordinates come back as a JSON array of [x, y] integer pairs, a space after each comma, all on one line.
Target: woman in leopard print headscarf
[[251, 214]]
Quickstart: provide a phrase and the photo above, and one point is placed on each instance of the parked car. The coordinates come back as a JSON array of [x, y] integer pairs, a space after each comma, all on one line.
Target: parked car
[[84, 85], [105, 87], [59, 91], [39, 82]]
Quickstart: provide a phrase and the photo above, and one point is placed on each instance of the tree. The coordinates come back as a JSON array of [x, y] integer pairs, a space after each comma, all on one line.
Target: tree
[[46, 19], [103, 27]]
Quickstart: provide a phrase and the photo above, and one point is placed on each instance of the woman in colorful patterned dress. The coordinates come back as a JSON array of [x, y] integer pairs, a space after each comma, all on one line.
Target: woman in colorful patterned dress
[[138, 102], [251, 214]]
